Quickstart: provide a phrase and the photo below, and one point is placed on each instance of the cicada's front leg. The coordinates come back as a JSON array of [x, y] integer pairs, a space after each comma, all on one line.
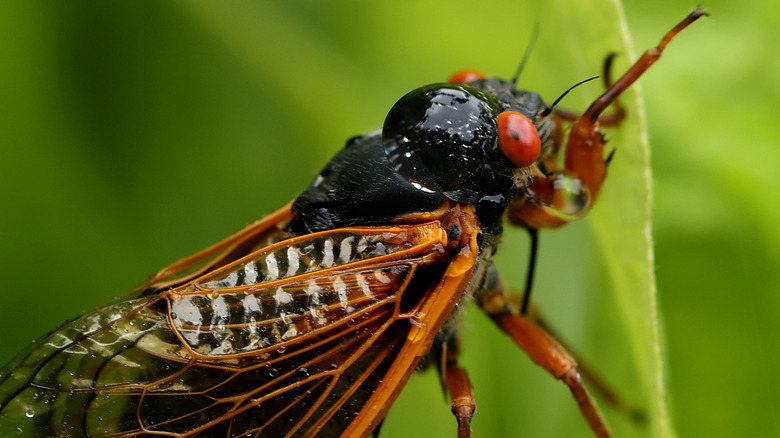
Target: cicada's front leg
[[566, 194]]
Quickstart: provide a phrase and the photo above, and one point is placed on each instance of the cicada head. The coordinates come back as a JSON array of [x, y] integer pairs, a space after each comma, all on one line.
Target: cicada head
[[475, 143]]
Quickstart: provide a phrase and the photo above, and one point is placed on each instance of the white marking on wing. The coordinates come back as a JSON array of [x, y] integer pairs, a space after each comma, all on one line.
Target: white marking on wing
[[293, 261], [345, 251], [273, 267], [291, 332], [327, 254], [363, 284], [341, 289], [252, 306], [381, 276], [313, 291], [250, 273], [362, 245], [282, 297], [221, 312]]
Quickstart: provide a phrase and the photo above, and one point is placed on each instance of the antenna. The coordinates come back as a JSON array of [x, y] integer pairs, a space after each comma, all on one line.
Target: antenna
[[527, 54], [550, 108]]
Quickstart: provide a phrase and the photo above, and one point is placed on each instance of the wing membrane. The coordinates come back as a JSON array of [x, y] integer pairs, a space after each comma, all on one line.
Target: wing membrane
[[259, 234], [304, 329]]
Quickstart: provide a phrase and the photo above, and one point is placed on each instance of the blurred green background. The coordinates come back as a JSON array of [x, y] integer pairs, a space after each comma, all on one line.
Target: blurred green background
[[134, 134]]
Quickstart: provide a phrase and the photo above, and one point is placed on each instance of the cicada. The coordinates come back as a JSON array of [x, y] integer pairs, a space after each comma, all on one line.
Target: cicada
[[309, 322]]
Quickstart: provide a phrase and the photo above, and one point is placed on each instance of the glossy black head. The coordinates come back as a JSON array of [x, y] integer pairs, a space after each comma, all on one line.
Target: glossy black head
[[444, 137], [441, 135]]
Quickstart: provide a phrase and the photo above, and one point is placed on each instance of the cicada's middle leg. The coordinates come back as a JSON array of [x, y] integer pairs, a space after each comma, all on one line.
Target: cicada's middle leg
[[541, 347]]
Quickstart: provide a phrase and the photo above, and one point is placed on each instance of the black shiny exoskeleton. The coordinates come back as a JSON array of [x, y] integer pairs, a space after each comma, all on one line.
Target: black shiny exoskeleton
[[437, 142]]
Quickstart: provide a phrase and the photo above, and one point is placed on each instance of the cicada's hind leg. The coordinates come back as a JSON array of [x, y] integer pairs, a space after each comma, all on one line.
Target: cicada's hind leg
[[565, 194], [455, 382], [599, 386], [542, 348]]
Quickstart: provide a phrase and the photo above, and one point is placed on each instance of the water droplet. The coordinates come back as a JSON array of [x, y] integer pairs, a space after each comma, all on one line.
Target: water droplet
[[213, 295], [418, 330], [302, 373], [29, 413], [281, 349], [174, 315]]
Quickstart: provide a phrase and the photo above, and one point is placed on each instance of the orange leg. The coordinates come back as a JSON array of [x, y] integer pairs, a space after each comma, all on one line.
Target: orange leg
[[542, 349], [567, 194], [612, 119], [595, 382], [602, 389], [456, 384], [463, 403]]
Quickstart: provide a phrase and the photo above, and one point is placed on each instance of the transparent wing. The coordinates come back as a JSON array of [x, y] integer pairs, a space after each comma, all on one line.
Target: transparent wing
[[259, 234], [291, 340]]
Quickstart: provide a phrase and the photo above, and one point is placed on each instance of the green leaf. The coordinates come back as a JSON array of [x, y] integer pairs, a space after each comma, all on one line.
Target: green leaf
[[145, 132]]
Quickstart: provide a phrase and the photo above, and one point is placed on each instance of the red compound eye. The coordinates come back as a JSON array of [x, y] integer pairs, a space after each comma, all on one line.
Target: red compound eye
[[466, 76], [518, 138]]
